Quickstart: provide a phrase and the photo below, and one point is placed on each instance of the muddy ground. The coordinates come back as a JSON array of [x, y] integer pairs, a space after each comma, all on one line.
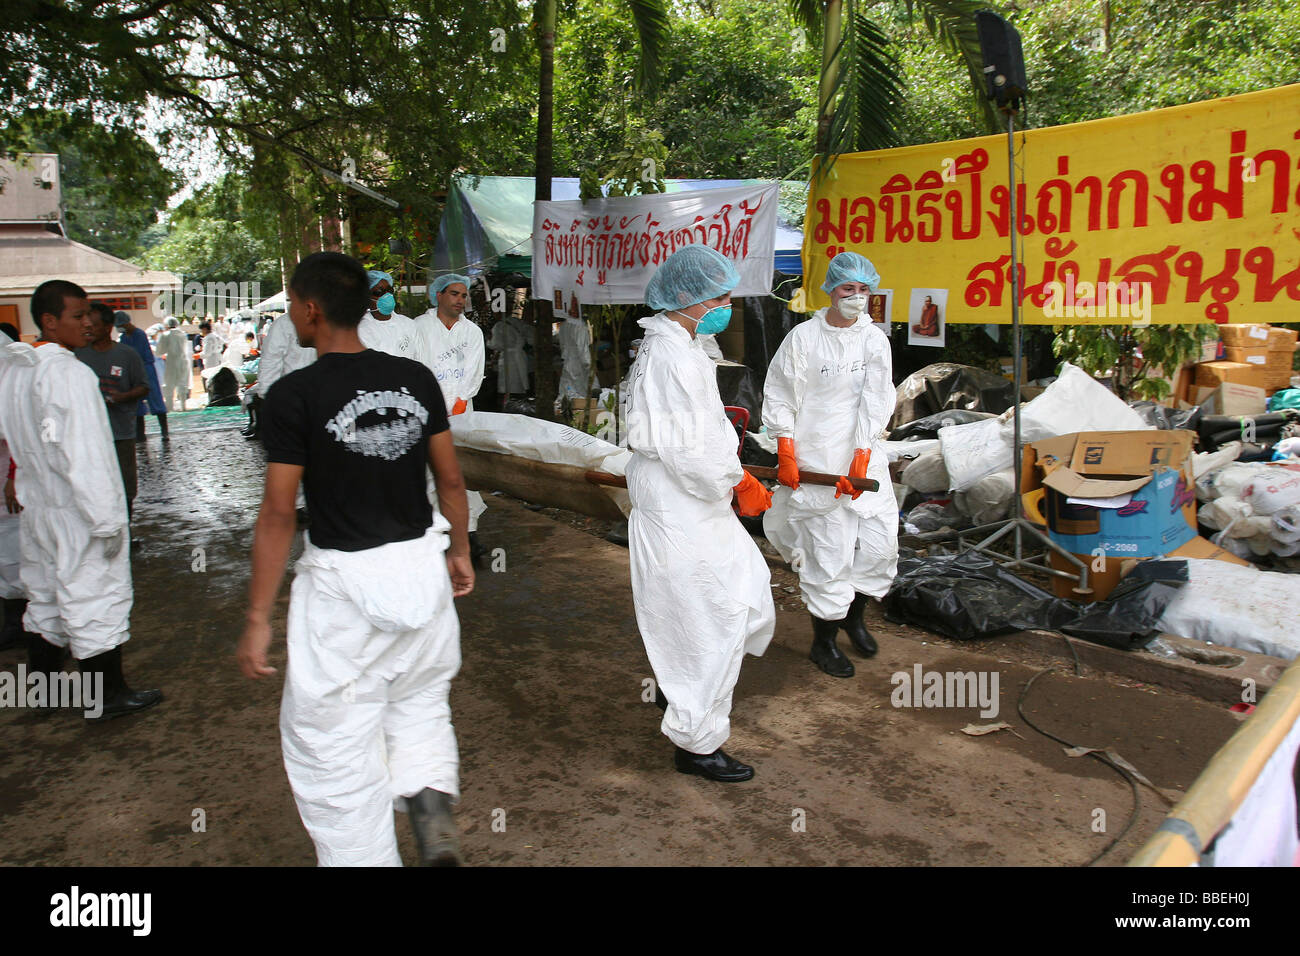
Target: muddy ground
[[562, 760]]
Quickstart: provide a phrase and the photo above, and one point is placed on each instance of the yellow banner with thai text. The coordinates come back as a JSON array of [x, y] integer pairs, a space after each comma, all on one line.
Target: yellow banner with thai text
[[1182, 215]]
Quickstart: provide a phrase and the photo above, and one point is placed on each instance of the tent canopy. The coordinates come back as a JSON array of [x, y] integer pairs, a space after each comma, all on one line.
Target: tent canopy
[[488, 223]]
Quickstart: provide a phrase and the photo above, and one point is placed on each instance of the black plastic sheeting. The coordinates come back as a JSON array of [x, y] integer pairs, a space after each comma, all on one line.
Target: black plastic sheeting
[[969, 596], [944, 386], [1216, 431], [1163, 417], [929, 426]]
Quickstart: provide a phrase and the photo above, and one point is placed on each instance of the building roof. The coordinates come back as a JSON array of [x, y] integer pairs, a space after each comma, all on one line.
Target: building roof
[[31, 255]]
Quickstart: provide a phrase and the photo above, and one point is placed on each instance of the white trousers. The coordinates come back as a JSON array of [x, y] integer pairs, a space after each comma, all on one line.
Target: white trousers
[[77, 597], [837, 554], [365, 719]]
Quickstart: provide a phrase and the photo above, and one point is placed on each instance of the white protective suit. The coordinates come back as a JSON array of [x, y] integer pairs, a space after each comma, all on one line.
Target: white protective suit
[[701, 589], [365, 721], [832, 391], [396, 335], [212, 346], [457, 358], [281, 354], [509, 337], [10, 565], [709, 343], [74, 505], [575, 349]]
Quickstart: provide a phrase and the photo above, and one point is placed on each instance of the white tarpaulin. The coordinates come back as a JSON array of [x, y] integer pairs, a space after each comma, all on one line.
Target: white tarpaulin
[[604, 251]]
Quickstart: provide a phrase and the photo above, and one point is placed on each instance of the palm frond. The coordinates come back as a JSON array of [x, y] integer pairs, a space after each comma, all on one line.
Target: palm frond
[[867, 91], [807, 14], [952, 23], [652, 27]]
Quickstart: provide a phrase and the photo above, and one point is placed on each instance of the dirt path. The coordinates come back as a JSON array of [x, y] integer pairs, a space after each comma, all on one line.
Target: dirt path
[[562, 760]]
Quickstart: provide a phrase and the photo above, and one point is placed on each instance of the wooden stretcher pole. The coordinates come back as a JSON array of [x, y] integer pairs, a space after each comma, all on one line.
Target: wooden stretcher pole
[[758, 471]]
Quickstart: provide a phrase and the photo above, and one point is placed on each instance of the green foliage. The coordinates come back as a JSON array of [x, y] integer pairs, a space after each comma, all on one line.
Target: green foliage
[[736, 99], [208, 240], [1136, 357], [113, 183]]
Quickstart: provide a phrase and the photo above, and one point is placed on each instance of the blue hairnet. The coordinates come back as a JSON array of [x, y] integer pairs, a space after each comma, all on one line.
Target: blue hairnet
[[850, 267], [441, 283], [377, 277], [689, 276]]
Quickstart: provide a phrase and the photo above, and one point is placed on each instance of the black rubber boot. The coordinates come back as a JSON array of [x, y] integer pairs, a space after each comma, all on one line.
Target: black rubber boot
[[858, 634], [42, 655], [12, 633], [119, 699], [715, 766], [825, 652], [435, 828], [162, 426], [251, 429]]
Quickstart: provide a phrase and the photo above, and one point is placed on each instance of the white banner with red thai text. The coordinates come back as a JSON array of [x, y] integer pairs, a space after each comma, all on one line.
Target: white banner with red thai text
[[605, 250], [1182, 215]]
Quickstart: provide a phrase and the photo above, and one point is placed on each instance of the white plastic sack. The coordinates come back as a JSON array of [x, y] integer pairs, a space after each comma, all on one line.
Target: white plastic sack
[[1277, 489], [1286, 524], [1224, 512], [898, 450], [927, 473], [1204, 462], [989, 499], [1231, 479], [975, 449], [1073, 403], [537, 440], [1238, 607]]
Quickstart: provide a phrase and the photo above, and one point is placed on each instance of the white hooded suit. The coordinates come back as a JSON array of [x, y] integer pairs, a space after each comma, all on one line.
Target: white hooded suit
[[832, 391], [700, 587], [74, 505]]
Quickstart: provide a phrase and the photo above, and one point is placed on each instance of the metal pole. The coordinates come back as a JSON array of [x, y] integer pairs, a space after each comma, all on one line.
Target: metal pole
[[1015, 312]]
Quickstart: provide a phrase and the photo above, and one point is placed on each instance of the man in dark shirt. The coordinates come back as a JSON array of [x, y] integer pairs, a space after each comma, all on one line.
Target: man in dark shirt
[[122, 382], [373, 636]]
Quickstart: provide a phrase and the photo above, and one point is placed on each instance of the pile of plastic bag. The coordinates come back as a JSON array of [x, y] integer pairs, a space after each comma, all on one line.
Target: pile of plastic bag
[[1254, 507], [972, 465]]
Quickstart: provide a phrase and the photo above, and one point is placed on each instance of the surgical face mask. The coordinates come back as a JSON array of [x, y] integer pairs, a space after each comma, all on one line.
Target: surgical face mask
[[853, 306], [386, 304], [713, 321]]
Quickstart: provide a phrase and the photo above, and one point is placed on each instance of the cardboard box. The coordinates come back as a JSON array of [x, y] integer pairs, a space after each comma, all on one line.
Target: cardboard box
[[1247, 355], [1214, 374], [1241, 334], [585, 411], [1231, 399], [1143, 494], [1007, 365], [1210, 350], [1282, 340]]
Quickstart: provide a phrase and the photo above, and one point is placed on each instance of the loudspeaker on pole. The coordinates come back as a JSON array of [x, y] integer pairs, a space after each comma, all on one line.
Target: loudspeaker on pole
[[1004, 61]]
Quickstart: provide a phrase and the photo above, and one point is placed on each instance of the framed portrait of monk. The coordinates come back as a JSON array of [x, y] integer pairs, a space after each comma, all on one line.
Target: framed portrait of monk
[[925, 317]]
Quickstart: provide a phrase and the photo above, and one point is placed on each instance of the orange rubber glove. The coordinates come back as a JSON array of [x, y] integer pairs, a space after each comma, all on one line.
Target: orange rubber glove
[[752, 496], [857, 469], [459, 407], [787, 471]]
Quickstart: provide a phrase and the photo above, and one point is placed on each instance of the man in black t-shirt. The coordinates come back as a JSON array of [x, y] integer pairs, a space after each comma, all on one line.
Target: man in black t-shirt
[[373, 636]]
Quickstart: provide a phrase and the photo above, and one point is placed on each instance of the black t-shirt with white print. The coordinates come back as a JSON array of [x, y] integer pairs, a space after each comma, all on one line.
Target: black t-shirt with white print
[[359, 424]]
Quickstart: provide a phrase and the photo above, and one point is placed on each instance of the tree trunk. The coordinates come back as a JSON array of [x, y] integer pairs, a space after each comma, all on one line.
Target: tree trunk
[[830, 69], [544, 383]]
